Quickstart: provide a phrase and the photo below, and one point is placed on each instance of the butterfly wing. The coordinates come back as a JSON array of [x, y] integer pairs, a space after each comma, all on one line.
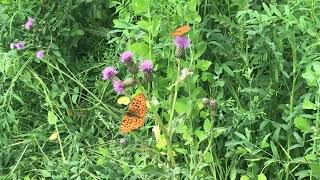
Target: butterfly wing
[[130, 122], [134, 117], [138, 105], [181, 30]]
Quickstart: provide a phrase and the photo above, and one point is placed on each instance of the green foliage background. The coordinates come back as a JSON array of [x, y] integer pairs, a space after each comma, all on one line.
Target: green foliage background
[[259, 60]]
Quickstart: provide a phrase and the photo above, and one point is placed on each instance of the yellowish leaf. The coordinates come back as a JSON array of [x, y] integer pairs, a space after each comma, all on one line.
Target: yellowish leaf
[[53, 136], [123, 100]]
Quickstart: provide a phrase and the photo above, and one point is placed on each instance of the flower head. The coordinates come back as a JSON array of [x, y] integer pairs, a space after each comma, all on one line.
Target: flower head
[[146, 66], [108, 73], [126, 57], [118, 86], [185, 73], [182, 42], [20, 45], [12, 45], [40, 54], [28, 25]]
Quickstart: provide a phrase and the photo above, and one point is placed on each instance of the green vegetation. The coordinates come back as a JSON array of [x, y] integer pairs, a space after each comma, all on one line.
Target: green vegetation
[[242, 102]]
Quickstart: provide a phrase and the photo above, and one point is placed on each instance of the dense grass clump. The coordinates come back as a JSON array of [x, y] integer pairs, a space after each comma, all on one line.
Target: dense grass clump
[[234, 93]]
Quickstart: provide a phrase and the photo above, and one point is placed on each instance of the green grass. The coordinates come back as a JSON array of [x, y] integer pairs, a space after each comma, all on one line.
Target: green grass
[[256, 61]]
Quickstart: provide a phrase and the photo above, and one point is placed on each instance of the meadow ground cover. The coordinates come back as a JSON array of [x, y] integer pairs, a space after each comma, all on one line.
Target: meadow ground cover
[[170, 89]]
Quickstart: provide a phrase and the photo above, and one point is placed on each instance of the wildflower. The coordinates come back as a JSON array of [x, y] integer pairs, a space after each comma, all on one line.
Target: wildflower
[[28, 25], [123, 141], [182, 42], [20, 45], [118, 86], [12, 45], [185, 73], [40, 54], [146, 66], [126, 57], [129, 82], [108, 73]]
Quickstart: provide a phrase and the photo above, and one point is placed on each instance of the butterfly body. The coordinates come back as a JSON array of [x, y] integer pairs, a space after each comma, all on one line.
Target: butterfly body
[[181, 30], [134, 117]]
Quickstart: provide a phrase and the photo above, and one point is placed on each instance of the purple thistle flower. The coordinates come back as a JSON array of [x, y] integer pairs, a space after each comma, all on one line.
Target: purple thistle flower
[[118, 86], [109, 72], [40, 54], [146, 66], [20, 45], [126, 57], [28, 25], [182, 42]]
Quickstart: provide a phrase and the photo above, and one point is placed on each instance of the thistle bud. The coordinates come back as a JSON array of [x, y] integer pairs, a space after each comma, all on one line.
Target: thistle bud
[[205, 101]]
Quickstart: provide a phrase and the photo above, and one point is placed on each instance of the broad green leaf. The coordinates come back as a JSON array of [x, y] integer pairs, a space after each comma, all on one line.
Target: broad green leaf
[[206, 76], [181, 150], [302, 123], [144, 25], [52, 118], [140, 48], [207, 125], [45, 173], [316, 67], [200, 48], [244, 177], [140, 6], [218, 131], [103, 151], [203, 64], [310, 77], [264, 142], [233, 173], [262, 177], [162, 142], [309, 105], [315, 168], [201, 135], [156, 23], [208, 158], [181, 106]]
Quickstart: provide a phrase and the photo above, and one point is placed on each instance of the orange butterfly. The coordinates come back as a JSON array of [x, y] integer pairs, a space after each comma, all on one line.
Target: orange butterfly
[[134, 117], [181, 30]]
